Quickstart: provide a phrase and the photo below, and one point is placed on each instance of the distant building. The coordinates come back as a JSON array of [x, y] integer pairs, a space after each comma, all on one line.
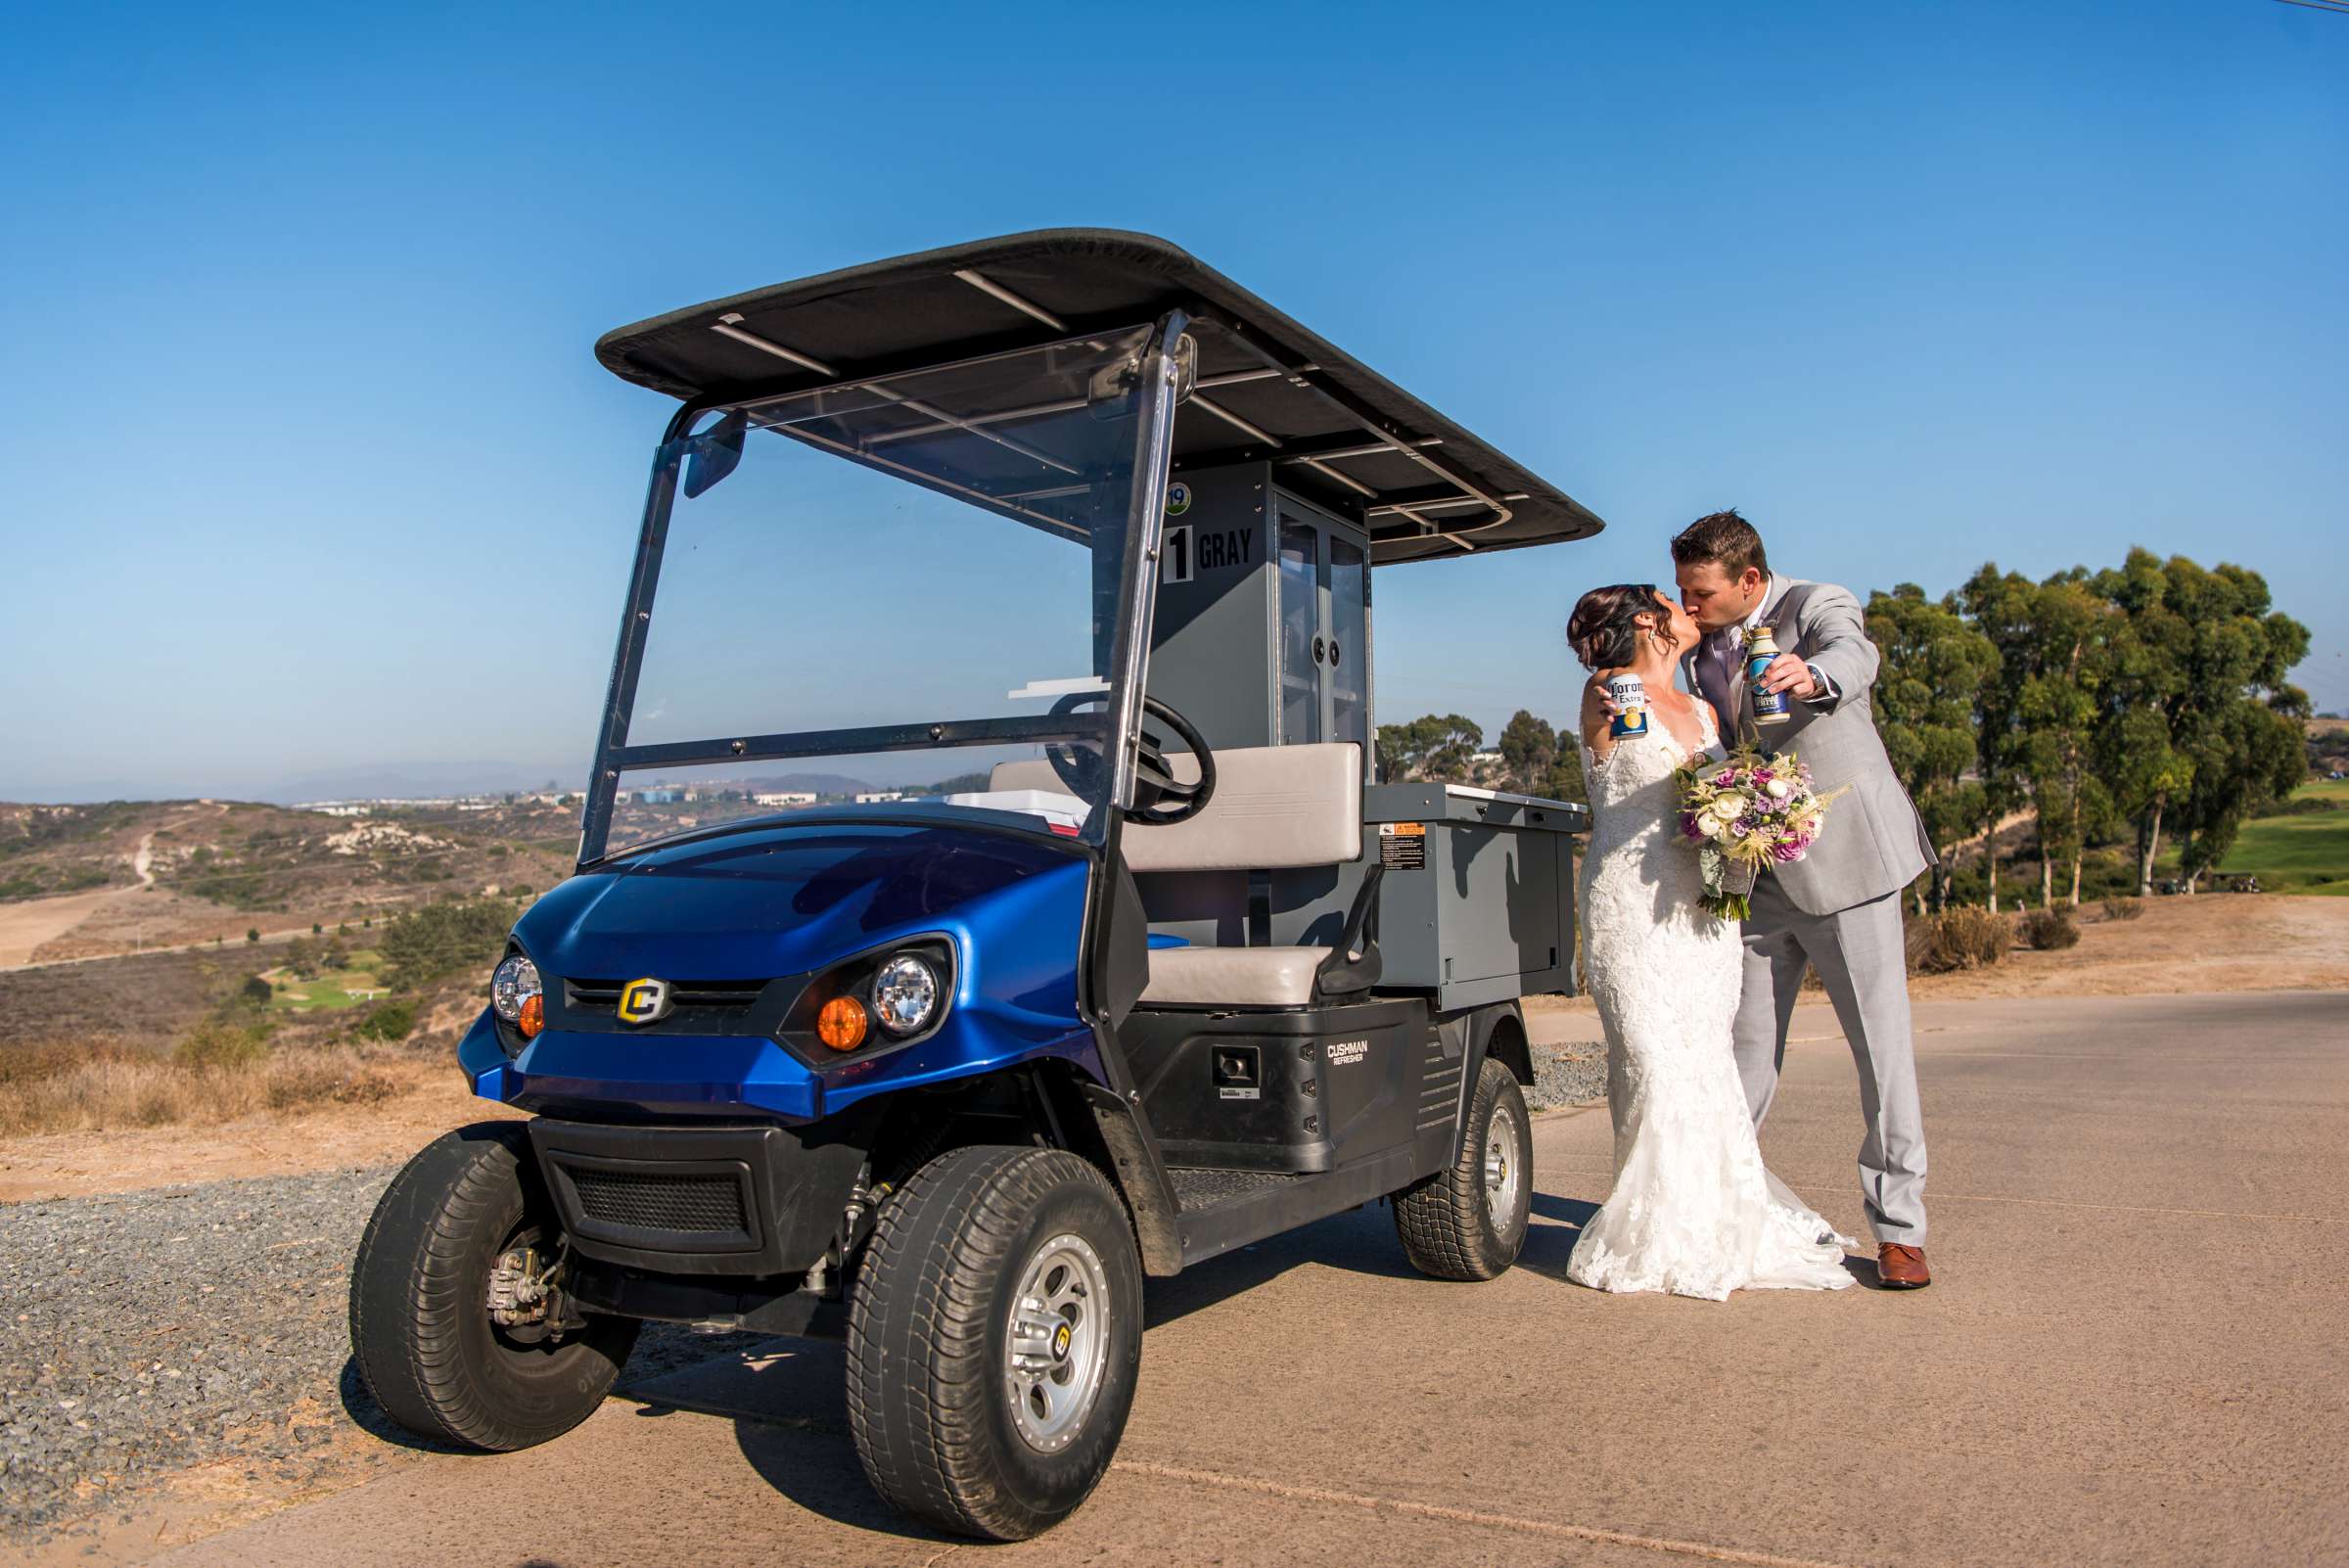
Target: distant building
[[784, 798], [659, 797], [876, 797]]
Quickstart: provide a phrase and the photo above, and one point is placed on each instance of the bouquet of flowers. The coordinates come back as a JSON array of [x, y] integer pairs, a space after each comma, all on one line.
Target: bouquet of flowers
[[1743, 812]]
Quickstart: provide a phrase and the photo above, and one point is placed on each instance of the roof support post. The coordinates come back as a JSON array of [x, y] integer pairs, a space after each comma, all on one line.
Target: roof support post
[[1160, 394], [635, 620]]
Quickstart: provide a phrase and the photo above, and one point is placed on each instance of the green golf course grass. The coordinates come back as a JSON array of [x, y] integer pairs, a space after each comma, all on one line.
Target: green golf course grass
[[2305, 853], [330, 989]]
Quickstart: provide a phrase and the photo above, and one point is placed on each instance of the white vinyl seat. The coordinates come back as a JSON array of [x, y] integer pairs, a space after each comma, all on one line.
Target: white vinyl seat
[[1275, 807], [1232, 977]]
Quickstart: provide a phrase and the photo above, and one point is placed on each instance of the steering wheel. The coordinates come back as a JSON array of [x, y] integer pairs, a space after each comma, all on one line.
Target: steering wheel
[[1161, 800]]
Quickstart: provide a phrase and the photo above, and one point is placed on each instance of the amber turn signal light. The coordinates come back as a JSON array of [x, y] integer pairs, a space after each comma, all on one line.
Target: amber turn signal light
[[533, 1017], [842, 1024]]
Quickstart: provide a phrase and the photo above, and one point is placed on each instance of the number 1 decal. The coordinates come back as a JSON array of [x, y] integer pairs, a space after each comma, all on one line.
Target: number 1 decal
[[1175, 555]]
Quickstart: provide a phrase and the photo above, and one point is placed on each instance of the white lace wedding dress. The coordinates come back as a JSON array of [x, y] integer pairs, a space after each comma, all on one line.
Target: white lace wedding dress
[[1693, 1210]]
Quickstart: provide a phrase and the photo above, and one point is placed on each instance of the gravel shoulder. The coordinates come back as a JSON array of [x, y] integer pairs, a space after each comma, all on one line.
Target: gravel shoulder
[[191, 1341], [163, 1329], [1564, 1076]]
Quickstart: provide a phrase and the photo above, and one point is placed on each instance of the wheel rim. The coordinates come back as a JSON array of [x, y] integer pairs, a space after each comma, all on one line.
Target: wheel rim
[[1503, 1171], [1056, 1344]]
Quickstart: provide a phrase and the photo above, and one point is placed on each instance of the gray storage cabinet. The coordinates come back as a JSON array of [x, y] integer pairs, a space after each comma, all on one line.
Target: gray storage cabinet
[[1478, 901]]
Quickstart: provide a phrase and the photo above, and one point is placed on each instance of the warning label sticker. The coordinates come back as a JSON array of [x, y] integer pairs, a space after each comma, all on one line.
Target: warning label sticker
[[1402, 845]]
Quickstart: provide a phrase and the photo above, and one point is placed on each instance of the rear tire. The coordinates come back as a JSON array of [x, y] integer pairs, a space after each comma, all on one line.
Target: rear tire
[[1470, 1222], [420, 1326], [995, 1340]]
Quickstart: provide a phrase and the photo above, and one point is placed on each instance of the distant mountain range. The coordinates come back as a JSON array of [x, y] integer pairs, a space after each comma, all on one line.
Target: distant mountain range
[[793, 784], [378, 783], [410, 781], [362, 781]]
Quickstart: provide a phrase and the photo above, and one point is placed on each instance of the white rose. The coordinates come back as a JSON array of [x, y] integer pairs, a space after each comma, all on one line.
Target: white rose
[[1727, 808], [1778, 789]]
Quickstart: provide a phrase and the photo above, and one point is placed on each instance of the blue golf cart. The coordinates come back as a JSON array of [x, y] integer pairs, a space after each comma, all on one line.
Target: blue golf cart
[[986, 897]]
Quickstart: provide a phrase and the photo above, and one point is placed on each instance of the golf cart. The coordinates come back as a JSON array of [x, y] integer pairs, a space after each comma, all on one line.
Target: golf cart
[[1031, 580]]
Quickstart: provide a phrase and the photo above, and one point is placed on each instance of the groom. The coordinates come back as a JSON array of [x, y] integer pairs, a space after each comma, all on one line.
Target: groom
[[1838, 908]]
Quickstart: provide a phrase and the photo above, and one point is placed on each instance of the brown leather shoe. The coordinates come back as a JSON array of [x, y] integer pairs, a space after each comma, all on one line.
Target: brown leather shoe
[[1900, 1267]]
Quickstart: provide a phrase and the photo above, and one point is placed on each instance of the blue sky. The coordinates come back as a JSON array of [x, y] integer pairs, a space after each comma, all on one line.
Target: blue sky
[[310, 466]]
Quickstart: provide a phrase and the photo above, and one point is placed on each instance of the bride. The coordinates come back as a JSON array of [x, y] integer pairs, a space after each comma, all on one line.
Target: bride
[[1692, 1211]]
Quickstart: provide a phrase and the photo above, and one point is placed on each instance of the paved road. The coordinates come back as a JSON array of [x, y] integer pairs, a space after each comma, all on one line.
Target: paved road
[[2134, 1354]]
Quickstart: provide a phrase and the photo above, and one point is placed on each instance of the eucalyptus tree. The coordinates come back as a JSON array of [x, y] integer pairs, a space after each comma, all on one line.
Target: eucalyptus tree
[[2039, 711], [1430, 747], [2075, 630], [1928, 702], [2204, 728], [1529, 750], [1999, 605], [2138, 740]]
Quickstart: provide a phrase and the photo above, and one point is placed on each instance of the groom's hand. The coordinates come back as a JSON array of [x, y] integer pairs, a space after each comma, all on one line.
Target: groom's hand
[[1789, 674]]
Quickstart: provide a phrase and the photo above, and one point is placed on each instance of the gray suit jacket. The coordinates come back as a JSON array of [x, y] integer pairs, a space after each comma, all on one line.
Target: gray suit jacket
[[1873, 843]]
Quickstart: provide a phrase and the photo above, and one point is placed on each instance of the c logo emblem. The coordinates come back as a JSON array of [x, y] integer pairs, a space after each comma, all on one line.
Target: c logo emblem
[[644, 1001]]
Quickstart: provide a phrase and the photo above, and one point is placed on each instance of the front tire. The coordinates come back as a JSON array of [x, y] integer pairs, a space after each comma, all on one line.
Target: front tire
[[995, 1340], [420, 1325], [1470, 1222]]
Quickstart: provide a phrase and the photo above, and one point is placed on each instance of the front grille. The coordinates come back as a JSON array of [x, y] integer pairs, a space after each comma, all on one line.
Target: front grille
[[707, 1204], [704, 1001]]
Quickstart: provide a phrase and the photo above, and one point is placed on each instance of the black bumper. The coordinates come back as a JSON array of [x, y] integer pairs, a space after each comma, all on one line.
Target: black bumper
[[743, 1201]]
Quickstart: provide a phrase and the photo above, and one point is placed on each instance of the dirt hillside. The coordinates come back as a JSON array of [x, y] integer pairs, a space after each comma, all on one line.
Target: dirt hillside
[[96, 881]]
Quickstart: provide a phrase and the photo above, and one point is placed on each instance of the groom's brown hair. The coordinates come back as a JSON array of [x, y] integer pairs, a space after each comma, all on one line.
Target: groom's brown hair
[[1725, 538]]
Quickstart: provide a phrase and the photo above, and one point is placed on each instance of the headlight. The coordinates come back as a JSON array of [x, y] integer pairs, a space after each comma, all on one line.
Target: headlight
[[905, 994], [513, 986]]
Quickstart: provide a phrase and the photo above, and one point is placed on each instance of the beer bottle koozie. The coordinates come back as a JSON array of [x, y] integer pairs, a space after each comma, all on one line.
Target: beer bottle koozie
[[1761, 647], [1630, 698]]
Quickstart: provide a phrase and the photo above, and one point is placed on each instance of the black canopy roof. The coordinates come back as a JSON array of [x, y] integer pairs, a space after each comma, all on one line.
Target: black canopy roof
[[1267, 389]]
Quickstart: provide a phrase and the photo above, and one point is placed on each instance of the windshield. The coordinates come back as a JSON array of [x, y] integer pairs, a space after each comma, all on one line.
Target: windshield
[[903, 587]]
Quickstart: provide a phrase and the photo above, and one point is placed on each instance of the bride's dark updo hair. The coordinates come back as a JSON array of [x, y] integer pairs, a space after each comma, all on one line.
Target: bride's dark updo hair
[[1604, 630]]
